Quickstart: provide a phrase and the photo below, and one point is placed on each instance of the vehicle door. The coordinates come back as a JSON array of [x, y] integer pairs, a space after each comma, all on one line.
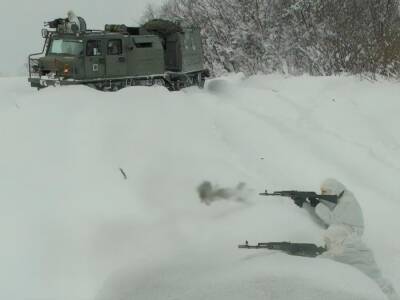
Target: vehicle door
[[95, 63], [116, 63], [172, 54]]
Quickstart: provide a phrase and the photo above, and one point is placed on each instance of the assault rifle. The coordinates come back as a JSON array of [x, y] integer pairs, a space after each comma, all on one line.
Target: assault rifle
[[300, 197], [55, 23], [296, 249]]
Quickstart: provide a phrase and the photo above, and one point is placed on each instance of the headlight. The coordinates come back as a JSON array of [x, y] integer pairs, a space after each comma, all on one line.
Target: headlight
[[67, 69]]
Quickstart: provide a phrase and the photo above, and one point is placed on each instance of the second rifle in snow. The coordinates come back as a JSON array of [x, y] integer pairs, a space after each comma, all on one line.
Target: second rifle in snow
[[300, 197], [296, 249]]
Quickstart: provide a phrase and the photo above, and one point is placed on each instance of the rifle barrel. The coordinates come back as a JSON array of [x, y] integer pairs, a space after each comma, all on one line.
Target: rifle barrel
[[250, 247]]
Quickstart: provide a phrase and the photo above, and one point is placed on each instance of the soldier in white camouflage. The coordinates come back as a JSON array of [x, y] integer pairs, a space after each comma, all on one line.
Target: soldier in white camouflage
[[345, 225]]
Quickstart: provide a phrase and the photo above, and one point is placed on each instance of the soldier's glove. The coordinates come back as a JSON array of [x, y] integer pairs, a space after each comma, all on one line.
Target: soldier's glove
[[313, 202], [299, 201]]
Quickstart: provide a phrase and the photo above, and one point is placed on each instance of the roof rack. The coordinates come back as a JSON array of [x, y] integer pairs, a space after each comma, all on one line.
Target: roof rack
[[122, 28]]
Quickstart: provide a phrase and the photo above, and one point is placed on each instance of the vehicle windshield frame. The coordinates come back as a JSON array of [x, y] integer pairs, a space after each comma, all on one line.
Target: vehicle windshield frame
[[66, 43]]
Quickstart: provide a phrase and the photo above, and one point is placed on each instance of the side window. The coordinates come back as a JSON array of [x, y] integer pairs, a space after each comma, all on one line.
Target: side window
[[144, 45], [93, 48], [187, 41], [114, 47], [193, 44]]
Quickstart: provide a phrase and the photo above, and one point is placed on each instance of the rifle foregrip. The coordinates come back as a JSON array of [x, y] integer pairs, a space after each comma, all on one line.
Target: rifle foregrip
[[249, 247]]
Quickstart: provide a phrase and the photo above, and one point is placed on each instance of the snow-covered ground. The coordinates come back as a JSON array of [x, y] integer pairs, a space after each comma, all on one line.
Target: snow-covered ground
[[73, 228]]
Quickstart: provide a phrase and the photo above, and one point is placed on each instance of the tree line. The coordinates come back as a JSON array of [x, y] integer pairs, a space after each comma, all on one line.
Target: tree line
[[318, 37]]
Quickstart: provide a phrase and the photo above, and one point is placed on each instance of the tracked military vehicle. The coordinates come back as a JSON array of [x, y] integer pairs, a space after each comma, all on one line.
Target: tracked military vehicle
[[159, 52]]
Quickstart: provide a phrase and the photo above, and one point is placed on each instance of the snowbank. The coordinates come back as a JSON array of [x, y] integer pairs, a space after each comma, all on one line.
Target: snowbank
[[74, 228]]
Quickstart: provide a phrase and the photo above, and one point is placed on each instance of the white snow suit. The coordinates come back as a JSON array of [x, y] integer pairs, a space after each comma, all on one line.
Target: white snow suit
[[346, 212], [345, 246], [345, 226], [73, 21]]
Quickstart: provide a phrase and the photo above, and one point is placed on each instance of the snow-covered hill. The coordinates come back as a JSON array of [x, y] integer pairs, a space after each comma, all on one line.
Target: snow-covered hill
[[73, 227]]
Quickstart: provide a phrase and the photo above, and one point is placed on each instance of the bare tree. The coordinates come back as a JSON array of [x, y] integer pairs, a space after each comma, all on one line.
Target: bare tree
[[318, 37]]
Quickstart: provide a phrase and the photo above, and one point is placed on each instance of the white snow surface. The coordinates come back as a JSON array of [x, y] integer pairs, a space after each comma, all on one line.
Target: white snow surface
[[73, 228]]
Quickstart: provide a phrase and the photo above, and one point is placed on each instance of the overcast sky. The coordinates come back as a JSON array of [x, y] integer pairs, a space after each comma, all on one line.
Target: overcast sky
[[22, 21]]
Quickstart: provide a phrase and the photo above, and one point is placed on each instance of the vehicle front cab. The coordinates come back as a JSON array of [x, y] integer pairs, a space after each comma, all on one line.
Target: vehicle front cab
[[63, 60], [78, 58]]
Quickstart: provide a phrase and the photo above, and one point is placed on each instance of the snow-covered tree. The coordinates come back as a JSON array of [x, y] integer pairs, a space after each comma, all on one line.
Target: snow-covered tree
[[294, 36]]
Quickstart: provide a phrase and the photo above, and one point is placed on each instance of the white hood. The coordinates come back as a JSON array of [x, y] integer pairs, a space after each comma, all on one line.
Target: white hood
[[71, 16], [346, 212], [332, 187]]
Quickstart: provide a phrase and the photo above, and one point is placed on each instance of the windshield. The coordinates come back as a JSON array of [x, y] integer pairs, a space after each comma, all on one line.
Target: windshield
[[70, 47]]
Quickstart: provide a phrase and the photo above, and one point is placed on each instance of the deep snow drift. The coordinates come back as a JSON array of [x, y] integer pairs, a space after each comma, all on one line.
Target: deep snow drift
[[73, 227]]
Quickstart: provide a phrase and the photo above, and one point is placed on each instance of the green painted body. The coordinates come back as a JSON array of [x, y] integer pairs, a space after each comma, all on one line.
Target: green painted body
[[109, 59]]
